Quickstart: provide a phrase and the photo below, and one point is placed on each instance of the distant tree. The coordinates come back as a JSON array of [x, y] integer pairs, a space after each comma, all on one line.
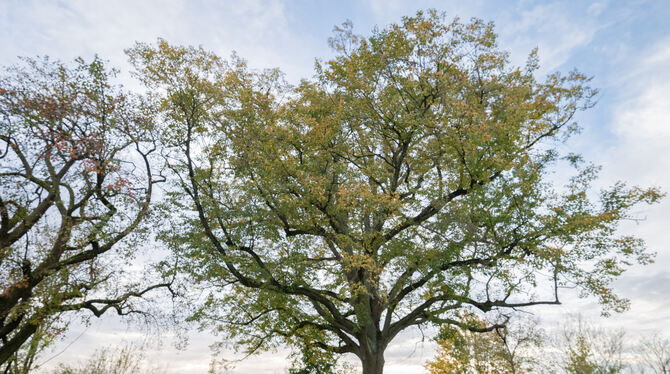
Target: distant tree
[[592, 350], [579, 359], [126, 359], [406, 182], [521, 341], [505, 350], [655, 351], [76, 182], [462, 351]]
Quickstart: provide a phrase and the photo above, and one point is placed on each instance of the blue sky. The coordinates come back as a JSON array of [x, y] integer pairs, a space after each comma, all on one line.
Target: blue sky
[[625, 45]]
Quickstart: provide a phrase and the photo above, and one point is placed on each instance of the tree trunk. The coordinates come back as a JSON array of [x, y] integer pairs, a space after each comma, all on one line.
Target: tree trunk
[[373, 363]]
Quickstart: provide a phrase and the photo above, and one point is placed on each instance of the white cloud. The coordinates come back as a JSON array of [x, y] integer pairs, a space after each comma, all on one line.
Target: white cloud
[[597, 7], [256, 29], [641, 125], [556, 31], [639, 155], [643, 116]]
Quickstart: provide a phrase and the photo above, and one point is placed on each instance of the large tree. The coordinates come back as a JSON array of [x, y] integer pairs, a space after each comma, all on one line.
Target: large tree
[[76, 182], [407, 181]]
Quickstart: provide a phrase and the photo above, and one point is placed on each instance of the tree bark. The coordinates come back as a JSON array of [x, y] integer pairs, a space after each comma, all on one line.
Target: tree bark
[[13, 345]]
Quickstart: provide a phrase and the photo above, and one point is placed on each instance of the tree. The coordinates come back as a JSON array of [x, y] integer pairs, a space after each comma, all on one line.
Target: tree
[[519, 342], [505, 350], [77, 181], [579, 358], [406, 182], [655, 351], [127, 359], [590, 350]]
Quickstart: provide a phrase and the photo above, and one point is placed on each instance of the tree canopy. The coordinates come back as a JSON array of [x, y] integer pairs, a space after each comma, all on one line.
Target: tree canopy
[[408, 180], [76, 183]]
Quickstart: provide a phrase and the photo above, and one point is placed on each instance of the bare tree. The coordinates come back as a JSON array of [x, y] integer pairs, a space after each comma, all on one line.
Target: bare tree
[[126, 359], [655, 352]]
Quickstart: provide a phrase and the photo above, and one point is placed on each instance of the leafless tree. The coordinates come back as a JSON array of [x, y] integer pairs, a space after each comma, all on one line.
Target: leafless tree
[[655, 352]]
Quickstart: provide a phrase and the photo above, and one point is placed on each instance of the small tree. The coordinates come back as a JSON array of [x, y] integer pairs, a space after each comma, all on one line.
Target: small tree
[[591, 350], [507, 350], [76, 181], [126, 359], [406, 182], [465, 351], [579, 358]]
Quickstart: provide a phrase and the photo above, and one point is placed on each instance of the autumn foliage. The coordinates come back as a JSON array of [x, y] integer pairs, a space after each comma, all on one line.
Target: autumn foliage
[[407, 183]]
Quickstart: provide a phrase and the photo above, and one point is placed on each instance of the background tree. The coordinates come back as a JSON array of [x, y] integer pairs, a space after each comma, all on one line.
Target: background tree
[[579, 358], [76, 181], [127, 359], [462, 351], [505, 350], [579, 348], [655, 351], [404, 183], [591, 350], [520, 342]]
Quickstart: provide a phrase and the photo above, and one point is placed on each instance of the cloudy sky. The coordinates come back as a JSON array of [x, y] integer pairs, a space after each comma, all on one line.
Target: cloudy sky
[[624, 44]]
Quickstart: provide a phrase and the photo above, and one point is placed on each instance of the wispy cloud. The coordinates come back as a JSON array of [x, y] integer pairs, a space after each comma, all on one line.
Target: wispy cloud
[[554, 28], [256, 29]]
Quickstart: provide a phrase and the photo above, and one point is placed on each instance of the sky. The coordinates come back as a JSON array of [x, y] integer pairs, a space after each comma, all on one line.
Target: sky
[[624, 45]]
